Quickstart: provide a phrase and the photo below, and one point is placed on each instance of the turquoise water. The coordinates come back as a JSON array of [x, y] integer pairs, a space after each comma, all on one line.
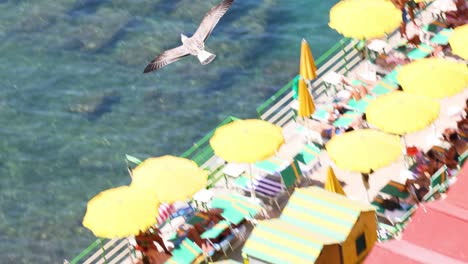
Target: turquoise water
[[60, 57]]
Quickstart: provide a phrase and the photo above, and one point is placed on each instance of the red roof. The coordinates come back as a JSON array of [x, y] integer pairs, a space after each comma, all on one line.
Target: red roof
[[440, 227], [436, 233], [403, 252], [383, 255], [457, 192]]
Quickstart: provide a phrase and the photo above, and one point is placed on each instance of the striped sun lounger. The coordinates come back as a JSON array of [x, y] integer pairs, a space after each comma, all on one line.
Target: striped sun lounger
[[361, 105], [442, 37], [262, 185], [271, 165], [391, 77], [422, 51], [395, 189], [384, 87], [347, 119]]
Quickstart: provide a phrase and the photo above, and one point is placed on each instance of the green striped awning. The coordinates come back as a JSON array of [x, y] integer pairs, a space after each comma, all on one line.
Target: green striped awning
[[275, 241], [317, 210]]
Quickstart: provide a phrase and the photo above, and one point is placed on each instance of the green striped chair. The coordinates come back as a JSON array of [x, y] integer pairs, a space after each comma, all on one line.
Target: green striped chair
[[396, 189], [309, 158], [291, 175], [187, 252], [462, 158], [378, 205], [440, 178], [422, 51]]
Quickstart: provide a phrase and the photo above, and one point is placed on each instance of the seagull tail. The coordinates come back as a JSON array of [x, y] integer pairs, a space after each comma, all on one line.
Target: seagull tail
[[205, 57]]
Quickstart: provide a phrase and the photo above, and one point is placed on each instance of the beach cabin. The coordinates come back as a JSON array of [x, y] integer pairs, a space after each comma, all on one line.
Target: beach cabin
[[316, 226]]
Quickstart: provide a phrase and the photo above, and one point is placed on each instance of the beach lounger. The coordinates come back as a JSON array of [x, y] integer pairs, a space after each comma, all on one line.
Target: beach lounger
[[395, 189], [321, 115], [224, 244], [268, 188], [237, 208], [384, 87], [440, 177], [187, 252], [361, 105], [271, 166], [442, 37], [421, 52], [262, 187], [378, 205], [308, 158], [347, 119], [439, 183], [391, 77], [462, 158]]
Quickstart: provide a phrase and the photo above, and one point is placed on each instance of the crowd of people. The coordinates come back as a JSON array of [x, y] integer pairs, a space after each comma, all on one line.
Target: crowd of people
[[447, 152]]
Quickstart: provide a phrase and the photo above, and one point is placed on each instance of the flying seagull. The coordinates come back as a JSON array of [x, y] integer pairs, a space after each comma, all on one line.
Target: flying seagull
[[194, 45]]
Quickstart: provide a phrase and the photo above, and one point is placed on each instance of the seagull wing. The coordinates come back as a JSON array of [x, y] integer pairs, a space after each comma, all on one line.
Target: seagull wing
[[211, 19], [165, 58]]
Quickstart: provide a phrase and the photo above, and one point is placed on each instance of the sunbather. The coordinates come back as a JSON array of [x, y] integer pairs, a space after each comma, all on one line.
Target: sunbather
[[419, 186], [154, 257], [145, 240], [458, 17]]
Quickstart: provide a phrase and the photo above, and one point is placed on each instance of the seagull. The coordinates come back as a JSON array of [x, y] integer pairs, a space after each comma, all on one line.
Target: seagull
[[194, 45]]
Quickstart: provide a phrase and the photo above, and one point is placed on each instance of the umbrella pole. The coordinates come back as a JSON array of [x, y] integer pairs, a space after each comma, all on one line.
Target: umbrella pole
[[304, 119], [406, 154], [252, 190]]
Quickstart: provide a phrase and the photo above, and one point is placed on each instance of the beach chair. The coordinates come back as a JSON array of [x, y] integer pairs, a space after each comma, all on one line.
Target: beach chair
[[347, 119], [291, 175], [442, 37], [187, 252], [361, 105], [440, 178], [404, 219], [395, 189], [268, 188], [309, 159], [215, 232], [462, 158], [422, 51], [271, 165], [386, 232], [391, 77], [237, 208], [384, 87], [378, 205]]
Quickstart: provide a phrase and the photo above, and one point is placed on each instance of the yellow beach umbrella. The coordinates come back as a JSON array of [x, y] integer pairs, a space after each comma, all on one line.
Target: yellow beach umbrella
[[364, 19], [364, 150], [433, 77], [307, 68], [401, 113], [459, 41], [306, 104], [332, 184], [247, 141], [120, 212], [169, 178]]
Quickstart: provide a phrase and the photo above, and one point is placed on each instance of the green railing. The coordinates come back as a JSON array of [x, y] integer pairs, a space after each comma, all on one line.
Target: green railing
[[104, 251]]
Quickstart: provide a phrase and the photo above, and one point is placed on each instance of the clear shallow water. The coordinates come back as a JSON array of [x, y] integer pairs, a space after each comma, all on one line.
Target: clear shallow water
[[60, 56]]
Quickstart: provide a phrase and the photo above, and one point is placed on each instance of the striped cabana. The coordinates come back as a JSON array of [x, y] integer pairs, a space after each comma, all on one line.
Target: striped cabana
[[316, 226]]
